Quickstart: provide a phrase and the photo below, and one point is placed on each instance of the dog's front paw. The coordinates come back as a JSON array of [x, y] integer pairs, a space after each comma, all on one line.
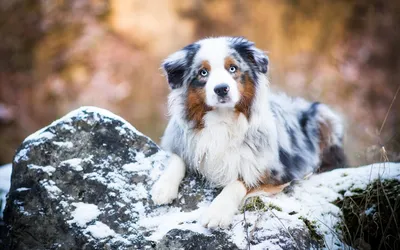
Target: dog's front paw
[[219, 214], [163, 191]]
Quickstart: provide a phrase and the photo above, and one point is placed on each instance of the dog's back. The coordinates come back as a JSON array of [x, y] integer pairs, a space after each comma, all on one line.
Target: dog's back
[[310, 136]]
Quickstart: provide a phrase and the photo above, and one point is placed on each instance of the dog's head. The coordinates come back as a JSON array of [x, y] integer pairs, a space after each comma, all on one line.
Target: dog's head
[[216, 73]]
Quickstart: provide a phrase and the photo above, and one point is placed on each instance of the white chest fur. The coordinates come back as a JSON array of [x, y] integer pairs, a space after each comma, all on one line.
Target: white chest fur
[[219, 151]]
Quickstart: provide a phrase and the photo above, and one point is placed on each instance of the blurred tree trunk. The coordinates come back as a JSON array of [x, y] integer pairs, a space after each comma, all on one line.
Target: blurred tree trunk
[[19, 31], [373, 45]]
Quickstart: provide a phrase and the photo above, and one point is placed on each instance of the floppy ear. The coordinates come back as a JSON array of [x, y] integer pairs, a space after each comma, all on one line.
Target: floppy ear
[[177, 64], [250, 53]]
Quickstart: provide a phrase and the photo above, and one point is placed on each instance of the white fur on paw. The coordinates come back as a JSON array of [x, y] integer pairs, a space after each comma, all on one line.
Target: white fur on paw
[[219, 214], [164, 192]]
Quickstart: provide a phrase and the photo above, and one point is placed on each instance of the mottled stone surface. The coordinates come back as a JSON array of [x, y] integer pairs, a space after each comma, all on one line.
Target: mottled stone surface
[[173, 240]]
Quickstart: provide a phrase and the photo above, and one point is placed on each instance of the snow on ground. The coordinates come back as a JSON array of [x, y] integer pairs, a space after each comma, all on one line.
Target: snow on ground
[[5, 181], [311, 199]]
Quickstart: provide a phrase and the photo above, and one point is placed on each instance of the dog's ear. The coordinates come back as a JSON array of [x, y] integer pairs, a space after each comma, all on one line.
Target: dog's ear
[[250, 53], [177, 64]]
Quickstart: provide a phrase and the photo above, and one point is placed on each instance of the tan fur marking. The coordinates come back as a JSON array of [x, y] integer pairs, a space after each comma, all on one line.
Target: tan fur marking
[[267, 189], [229, 61], [205, 65], [196, 107], [247, 91], [324, 136], [245, 86]]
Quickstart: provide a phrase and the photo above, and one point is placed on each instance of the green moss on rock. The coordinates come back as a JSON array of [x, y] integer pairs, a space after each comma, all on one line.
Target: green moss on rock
[[275, 207], [312, 228], [256, 204]]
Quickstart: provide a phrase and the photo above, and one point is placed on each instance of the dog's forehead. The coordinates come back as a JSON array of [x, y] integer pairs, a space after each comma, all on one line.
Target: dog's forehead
[[214, 50]]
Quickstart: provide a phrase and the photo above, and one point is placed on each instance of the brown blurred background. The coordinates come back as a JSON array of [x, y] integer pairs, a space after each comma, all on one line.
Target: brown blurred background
[[58, 55]]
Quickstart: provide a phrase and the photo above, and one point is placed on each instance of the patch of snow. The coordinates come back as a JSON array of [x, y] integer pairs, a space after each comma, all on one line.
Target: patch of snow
[[74, 164], [47, 169], [64, 204], [159, 159], [121, 131], [22, 189], [40, 134], [63, 144], [83, 213], [68, 128], [139, 207], [119, 239], [5, 177], [5, 183], [100, 230], [95, 177], [140, 192], [370, 210], [144, 163], [137, 167], [21, 155], [51, 188], [38, 137], [163, 221]]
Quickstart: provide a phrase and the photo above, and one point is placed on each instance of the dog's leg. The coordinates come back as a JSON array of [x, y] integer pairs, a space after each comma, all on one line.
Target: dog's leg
[[165, 190], [224, 206]]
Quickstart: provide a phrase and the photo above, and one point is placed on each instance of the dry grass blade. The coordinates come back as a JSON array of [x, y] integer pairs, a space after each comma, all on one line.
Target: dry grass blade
[[390, 107], [287, 230]]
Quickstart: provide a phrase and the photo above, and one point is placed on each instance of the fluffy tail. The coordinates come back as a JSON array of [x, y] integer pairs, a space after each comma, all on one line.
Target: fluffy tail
[[331, 132]]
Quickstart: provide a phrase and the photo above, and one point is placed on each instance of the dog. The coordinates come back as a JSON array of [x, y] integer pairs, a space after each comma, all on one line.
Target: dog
[[227, 125]]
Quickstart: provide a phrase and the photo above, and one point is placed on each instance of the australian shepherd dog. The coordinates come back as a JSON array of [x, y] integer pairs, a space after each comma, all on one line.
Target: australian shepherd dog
[[226, 125]]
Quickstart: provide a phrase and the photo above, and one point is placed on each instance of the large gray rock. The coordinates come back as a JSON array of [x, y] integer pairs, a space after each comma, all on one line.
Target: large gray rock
[[83, 183]]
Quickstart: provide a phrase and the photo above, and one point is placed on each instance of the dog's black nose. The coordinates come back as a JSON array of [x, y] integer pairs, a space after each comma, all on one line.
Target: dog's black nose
[[221, 89]]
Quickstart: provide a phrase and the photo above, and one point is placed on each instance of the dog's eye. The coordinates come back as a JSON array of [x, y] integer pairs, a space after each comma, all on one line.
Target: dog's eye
[[232, 69], [203, 72]]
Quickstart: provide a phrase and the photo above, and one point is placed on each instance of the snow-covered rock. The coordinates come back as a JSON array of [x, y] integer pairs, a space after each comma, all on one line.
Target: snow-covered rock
[[83, 183]]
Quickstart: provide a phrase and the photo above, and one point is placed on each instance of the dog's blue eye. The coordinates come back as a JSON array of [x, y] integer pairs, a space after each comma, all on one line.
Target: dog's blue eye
[[203, 72], [232, 69]]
